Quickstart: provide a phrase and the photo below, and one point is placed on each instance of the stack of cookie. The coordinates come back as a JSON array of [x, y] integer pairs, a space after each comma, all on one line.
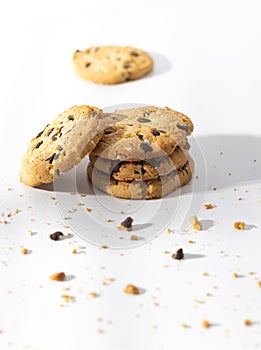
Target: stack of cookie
[[143, 155]]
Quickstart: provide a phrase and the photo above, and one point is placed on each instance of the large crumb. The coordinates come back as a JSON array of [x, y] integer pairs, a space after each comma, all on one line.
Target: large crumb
[[195, 223], [206, 324], [24, 251], [131, 289], [126, 224], [209, 206], [59, 276], [134, 238], [56, 235], [178, 255], [239, 225], [248, 322]]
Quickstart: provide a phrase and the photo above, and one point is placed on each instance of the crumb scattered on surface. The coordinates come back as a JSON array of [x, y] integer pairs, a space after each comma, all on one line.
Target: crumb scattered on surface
[[131, 289], [59, 276], [208, 206], [104, 246], [190, 241], [109, 220], [88, 210], [169, 230], [166, 251], [74, 251], [235, 275], [204, 273], [178, 255], [184, 325], [248, 322], [126, 224], [195, 223], [134, 238], [259, 283], [239, 225], [56, 236], [206, 324], [68, 298], [24, 251], [93, 294]]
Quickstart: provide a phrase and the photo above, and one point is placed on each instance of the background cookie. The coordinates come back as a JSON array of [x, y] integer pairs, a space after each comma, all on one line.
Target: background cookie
[[141, 170], [155, 188], [61, 144], [143, 133], [111, 64]]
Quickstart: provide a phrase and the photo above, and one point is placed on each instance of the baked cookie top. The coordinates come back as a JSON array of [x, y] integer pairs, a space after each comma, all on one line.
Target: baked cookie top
[[111, 64], [143, 133], [141, 170], [154, 188], [61, 144]]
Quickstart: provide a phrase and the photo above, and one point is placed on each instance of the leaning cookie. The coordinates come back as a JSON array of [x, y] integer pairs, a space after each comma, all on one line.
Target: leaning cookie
[[141, 170], [61, 145], [144, 133], [111, 64], [149, 189]]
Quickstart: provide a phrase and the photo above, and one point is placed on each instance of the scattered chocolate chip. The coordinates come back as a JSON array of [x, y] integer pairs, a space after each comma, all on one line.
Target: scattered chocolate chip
[[143, 120], [178, 255], [51, 158], [70, 117], [49, 131], [127, 65], [140, 137], [127, 223], [156, 133], [134, 54], [38, 144], [182, 127], [40, 133], [146, 147], [56, 235], [87, 64]]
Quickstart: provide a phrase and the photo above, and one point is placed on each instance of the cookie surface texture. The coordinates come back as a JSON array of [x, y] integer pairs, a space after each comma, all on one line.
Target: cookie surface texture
[[149, 189], [111, 64], [144, 133], [61, 145]]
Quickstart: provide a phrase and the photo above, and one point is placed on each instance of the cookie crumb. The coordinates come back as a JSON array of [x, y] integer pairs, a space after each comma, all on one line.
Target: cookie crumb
[[68, 298], [190, 241], [259, 283], [88, 210], [184, 325], [74, 251], [208, 206], [134, 238], [166, 251], [248, 322], [104, 246], [195, 223], [24, 251], [239, 225], [59, 276], [206, 324], [126, 224], [204, 273], [131, 289], [56, 235], [109, 220], [169, 230], [235, 275], [178, 255], [93, 294]]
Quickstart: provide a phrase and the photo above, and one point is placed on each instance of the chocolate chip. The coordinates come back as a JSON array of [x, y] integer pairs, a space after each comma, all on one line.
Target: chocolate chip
[[107, 132], [77, 50], [183, 127], [140, 137], [38, 144], [136, 172], [127, 65], [60, 148], [56, 235], [54, 137], [143, 120], [87, 64], [156, 133], [146, 114], [51, 158], [163, 131], [70, 117], [40, 133], [146, 147], [127, 223], [178, 255], [134, 54], [49, 131]]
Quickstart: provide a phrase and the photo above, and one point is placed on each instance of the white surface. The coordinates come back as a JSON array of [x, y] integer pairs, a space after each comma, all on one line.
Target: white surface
[[207, 57]]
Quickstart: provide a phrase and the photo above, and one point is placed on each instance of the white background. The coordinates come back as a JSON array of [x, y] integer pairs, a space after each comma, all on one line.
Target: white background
[[207, 64]]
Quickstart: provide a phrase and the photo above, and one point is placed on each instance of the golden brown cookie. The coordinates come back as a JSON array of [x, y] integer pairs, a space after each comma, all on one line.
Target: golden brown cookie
[[149, 189], [111, 64], [144, 133], [61, 144], [141, 170]]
